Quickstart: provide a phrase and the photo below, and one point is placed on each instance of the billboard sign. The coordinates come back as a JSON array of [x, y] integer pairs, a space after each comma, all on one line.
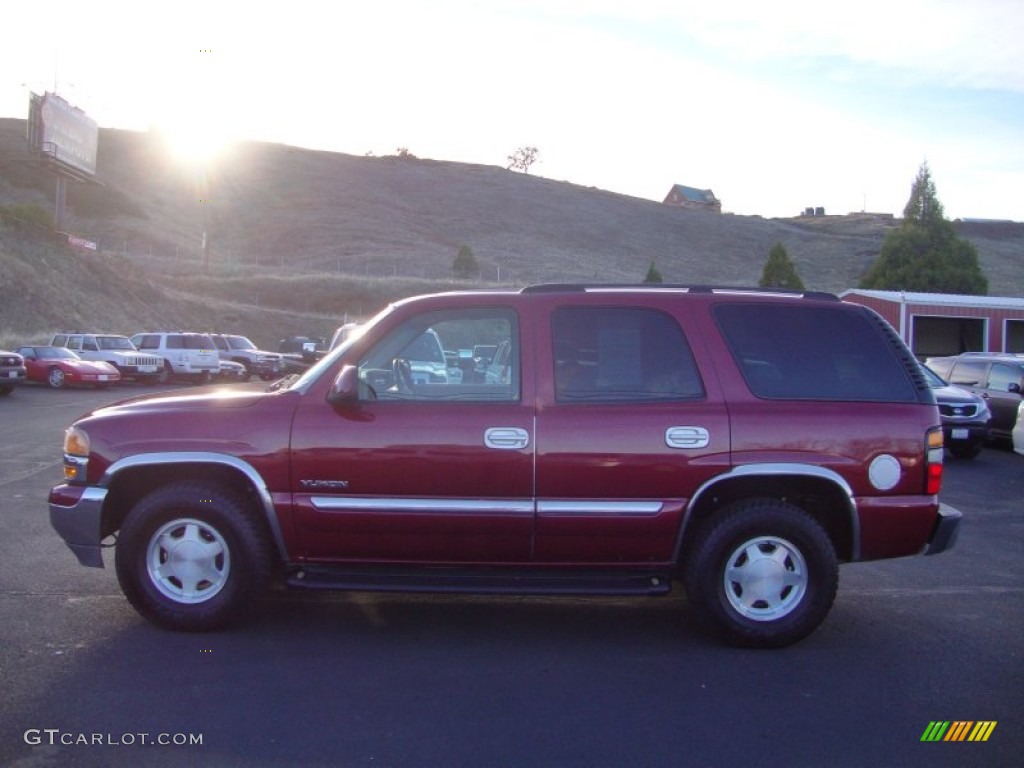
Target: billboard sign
[[62, 132]]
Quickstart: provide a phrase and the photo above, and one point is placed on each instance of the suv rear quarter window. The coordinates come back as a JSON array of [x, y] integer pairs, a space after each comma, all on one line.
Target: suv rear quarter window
[[812, 353]]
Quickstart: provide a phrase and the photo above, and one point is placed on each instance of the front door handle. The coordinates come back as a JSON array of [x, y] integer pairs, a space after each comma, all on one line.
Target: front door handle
[[506, 438]]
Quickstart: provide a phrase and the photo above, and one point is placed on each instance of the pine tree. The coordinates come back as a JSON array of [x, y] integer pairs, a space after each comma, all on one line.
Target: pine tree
[[465, 266], [925, 253], [653, 275], [779, 270]]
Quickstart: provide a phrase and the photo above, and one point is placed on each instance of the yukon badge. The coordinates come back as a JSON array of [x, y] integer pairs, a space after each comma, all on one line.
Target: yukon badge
[[334, 485]]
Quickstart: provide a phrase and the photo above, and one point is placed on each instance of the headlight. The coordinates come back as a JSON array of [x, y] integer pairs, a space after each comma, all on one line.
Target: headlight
[[76, 455], [984, 414], [76, 442]]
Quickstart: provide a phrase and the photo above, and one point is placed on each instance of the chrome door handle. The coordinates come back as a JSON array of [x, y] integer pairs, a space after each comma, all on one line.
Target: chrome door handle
[[506, 438], [687, 437]]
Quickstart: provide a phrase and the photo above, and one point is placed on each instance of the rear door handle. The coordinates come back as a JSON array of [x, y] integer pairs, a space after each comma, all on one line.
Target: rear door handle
[[687, 437]]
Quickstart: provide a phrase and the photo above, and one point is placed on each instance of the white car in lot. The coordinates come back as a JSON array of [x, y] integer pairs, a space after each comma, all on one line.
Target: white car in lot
[[1018, 430], [182, 354], [110, 348]]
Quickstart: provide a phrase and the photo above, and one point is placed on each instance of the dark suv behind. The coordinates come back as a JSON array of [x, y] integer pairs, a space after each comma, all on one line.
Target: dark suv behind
[[997, 377]]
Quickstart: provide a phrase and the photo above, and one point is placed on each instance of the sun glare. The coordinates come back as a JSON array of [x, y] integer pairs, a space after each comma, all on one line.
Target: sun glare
[[193, 140]]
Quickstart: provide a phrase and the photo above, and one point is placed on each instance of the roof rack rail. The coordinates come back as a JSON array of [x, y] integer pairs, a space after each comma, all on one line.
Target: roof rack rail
[[583, 287]]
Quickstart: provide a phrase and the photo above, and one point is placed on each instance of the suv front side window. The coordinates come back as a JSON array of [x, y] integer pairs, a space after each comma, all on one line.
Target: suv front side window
[[410, 362], [146, 341], [621, 354]]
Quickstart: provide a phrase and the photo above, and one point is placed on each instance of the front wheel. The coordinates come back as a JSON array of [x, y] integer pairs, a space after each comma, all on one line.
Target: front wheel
[[965, 451], [763, 573], [192, 557], [165, 374], [55, 377]]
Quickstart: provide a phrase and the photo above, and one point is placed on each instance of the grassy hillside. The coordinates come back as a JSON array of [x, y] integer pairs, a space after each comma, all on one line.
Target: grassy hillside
[[318, 236]]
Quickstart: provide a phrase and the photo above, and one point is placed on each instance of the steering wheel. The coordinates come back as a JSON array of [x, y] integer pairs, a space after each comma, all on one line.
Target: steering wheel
[[402, 375]]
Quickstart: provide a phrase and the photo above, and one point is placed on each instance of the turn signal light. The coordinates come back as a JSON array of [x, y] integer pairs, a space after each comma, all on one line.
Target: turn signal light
[[933, 461]]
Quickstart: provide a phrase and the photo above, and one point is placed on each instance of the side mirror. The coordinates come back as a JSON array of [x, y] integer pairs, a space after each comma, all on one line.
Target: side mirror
[[1014, 387], [345, 389]]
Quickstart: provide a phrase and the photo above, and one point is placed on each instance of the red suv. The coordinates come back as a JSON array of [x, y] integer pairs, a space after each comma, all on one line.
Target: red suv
[[743, 442]]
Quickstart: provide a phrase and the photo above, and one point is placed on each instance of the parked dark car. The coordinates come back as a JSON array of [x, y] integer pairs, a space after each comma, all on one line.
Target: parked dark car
[[12, 371], [300, 352], [997, 377], [965, 416], [257, 362]]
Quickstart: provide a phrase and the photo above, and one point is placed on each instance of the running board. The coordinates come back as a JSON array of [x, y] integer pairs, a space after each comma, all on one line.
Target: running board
[[489, 581]]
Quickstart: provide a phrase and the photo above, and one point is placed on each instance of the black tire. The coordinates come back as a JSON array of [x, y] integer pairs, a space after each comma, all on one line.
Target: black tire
[[165, 374], [221, 565], [968, 451], [55, 377], [247, 364], [761, 573]]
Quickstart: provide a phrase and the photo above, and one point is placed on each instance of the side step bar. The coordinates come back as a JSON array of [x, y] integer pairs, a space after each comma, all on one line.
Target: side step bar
[[478, 581]]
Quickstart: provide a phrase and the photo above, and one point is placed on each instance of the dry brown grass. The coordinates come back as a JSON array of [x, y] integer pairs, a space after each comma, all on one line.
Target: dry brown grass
[[300, 240]]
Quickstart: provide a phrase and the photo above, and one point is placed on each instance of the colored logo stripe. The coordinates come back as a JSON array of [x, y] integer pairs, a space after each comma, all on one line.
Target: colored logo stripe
[[935, 730], [958, 730], [982, 730]]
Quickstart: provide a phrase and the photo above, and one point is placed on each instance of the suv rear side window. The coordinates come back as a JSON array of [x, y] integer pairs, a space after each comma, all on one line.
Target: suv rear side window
[[621, 354], [970, 373], [812, 353], [1002, 376]]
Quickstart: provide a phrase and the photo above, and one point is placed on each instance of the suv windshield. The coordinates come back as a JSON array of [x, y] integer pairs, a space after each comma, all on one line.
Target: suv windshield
[[239, 342]]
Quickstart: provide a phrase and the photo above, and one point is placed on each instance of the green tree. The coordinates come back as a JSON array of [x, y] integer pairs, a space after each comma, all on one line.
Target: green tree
[[465, 266], [779, 270], [925, 254], [31, 213], [653, 275]]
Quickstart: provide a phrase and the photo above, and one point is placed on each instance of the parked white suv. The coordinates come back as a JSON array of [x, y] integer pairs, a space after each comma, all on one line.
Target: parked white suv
[[182, 354], [111, 348]]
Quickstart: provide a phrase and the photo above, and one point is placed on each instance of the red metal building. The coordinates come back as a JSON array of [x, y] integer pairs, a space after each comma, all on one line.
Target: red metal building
[[935, 324]]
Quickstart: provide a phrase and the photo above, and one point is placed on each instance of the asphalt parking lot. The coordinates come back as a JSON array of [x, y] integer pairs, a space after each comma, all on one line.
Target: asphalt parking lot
[[393, 680]]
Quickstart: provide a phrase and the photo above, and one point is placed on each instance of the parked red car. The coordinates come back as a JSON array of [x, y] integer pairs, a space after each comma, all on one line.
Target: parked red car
[[57, 366]]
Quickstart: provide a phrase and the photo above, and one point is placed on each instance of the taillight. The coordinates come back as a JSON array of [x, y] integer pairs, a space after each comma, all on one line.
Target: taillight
[[933, 461]]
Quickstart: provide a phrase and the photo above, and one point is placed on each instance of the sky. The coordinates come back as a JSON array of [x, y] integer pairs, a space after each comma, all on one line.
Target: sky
[[775, 106]]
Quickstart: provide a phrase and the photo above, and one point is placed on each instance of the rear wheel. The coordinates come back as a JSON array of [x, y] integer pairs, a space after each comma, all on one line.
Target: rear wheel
[[762, 573], [192, 557]]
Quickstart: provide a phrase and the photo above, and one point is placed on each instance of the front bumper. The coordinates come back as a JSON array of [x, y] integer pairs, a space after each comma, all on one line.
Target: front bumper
[[965, 433], [946, 529], [76, 513]]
